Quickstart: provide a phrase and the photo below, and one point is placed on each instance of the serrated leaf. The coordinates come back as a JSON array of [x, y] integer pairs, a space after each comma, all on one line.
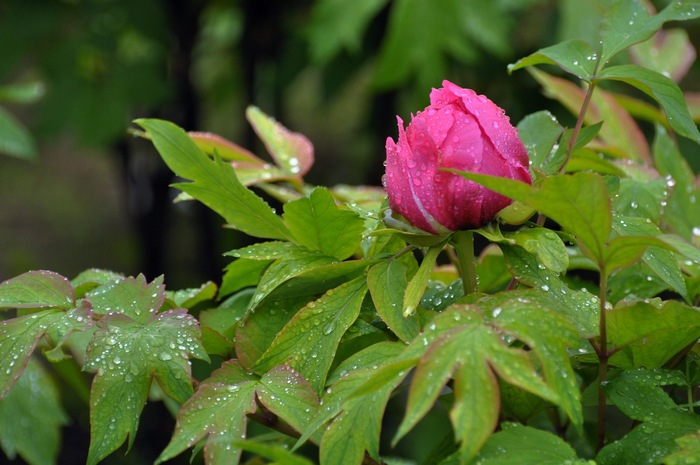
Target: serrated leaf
[[357, 424], [539, 132], [387, 284], [31, 416], [188, 298], [217, 412], [214, 182], [133, 297], [127, 354], [472, 354], [647, 336], [574, 56], [318, 224], [92, 278], [292, 151], [37, 289], [627, 23], [18, 339], [524, 445], [549, 339], [663, 90], [309, 341]]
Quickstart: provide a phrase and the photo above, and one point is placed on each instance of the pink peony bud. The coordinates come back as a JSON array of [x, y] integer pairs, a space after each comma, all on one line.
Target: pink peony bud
[[460, 130]]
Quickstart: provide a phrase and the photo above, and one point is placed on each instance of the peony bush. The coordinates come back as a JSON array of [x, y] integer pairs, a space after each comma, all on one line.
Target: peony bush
[[361, 317]]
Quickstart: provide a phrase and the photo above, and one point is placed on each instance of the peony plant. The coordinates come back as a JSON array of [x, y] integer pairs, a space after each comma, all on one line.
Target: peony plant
[[360, 318]]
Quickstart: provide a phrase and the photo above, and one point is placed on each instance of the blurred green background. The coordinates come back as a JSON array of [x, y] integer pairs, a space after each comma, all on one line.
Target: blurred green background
[[81, 192]]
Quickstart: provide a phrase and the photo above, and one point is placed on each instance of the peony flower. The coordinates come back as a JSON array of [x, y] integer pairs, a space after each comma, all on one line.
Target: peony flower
[[459, 130]]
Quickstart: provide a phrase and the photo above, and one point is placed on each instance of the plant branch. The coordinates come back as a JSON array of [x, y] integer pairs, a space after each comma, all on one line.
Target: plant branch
[[603, 357], [579, 122]]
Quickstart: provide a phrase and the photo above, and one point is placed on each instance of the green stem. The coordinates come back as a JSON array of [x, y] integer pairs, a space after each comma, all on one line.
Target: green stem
[[603, 357], [463, 242], [579, 122]]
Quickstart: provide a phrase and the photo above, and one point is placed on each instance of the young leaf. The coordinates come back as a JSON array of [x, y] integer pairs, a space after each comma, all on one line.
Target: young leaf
[[574, 56], [644, 335], [387, 284], [37, 289], [217, 412], [214, 182], [309, 341], [318, 224], [416, 287], [127, 354], [291, 151], [524, 445], [132, 297], [31, 416], [663, 90]]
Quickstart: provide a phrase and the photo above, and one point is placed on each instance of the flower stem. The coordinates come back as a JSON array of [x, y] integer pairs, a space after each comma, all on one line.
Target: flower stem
[[603, 356], [579, 122], [463, 242]]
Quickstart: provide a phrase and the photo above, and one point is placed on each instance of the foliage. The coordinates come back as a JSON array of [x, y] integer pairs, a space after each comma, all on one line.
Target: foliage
[[586, 305]]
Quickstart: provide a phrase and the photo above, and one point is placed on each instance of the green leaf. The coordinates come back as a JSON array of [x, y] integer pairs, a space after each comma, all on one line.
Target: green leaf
[[337, 25], [277, 452], [574, 56], [549, 340], [132, 297], [639, 395], [260, 328], [357, 419], [661, 89], [37, 289], [15, 140], [22, 92], [644, 198], [240, 274], [31, 416], [127, 354], [309, 341], [215, 183], [284, 269], [318, 224], [287, 394], [580, 307], [546, 245], [291, 151], [472, 354], [689, 450], [387, 284], [681, 212], [18, 339], [539, 132], [644, 335], [416, 287], [627, 23], [661, 261], [217, 412], [92, 278], [188, 298], [524, 445], [669, 52], [579, 202], [624, 251]]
